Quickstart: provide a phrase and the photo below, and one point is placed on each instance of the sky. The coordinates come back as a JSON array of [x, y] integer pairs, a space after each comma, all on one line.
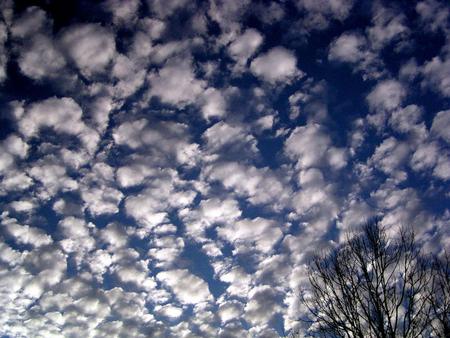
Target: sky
[[169, 167]]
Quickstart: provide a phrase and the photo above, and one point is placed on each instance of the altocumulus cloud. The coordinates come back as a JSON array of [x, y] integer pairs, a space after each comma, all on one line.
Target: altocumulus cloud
[[168, 168]]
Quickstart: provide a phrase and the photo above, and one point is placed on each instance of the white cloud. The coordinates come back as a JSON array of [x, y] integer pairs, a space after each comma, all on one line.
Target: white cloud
[[442, 169], [222, 135], [425, 156], [263, 303], [31, 21], [213, 104], [188, 288], [41, 58], [433, 14], [166, 141], [211, 212], [165, 8], [15, 146], [53, 177], [387, 95], [276, 66], [318, 14], [151, 205], [441, 123], [239, 281], [435, 75], [63, 115], [176, 84], [130, 76], [166, 250], [388, 26], [24, 234], [260, 185], [122, 12], [114, 235], [349, 47], [245, 46], [406, 119], [3, 52], [311, 146], [170, 311], [264, 233], [230, 310], [390, 157], [101, 200], [90, 46]]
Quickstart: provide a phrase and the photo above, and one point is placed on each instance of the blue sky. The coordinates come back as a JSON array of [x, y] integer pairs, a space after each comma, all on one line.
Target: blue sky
[[168, 168]]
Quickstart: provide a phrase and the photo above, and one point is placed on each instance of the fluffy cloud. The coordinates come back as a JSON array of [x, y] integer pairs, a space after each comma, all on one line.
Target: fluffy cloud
[[245, 46], [433, 14], [434, 72], [388, 26], [311, 146], [90, 46], [387, 95], [167, 170], [319, 13], [263, 304], [33, 20], [260, 185], [262, 232], [176, 84], [41, 58], [188, 288], [276, 66], [164, 140], [63, 115], [348, 47], [213, 103], [440, 125]]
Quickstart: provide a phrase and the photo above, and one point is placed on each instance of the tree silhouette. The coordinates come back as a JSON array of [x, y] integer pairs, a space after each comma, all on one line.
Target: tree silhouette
[[375, 286], [440, 298]]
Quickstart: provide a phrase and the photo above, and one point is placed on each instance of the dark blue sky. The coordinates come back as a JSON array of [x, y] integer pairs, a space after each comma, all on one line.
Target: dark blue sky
[[168, 168]]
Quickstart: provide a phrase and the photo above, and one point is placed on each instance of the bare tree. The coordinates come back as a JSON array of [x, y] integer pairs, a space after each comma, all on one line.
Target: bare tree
[[440, 298], [375, 286]]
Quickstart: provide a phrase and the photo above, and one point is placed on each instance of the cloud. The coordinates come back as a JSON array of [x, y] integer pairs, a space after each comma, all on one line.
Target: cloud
[[162, 195], [176, 84], [385, 97], [188, 288], [276, 66], [165, 8], [262, 305], [433, 15], [213, 104], [311, 146], [122, 13], [262, 232], [24, 234], [349, 47], [230, 310], [440, 125], [165, 140], [167, 169], [434, 72], [245, 46], [33, 20], [390, 156], [388, 27], [41, 58], [91, 47], [63, 115], [3, 52], [318, 14], [259, 185]]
